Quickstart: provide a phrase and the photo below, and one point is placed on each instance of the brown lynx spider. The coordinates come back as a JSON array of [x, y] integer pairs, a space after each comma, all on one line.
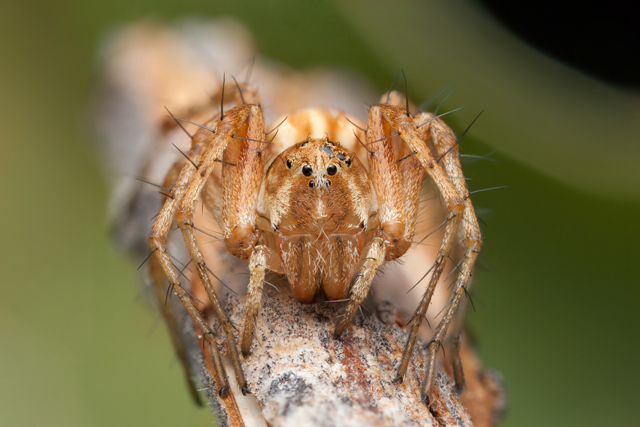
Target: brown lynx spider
[[317, 214]]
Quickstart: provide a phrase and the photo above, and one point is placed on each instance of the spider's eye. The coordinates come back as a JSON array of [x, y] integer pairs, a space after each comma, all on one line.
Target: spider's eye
[[312, 184], [348, 162], [307, 170], [332, 169], [289, 163], [305, 144]]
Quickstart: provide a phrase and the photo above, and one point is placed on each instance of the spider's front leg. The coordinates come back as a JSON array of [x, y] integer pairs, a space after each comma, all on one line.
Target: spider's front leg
[[451, 185], [397, 191], [246, 122]]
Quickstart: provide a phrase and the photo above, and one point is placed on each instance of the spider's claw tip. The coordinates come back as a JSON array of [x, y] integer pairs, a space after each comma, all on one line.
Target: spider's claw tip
[[397, 380], [224, 392], [245, 391]]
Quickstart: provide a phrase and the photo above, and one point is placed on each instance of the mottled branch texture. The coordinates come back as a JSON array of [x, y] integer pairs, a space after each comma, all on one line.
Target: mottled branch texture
[[301, 376]]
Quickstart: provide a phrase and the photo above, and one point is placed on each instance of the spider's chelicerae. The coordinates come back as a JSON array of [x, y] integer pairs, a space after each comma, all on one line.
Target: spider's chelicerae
[[318, 215]]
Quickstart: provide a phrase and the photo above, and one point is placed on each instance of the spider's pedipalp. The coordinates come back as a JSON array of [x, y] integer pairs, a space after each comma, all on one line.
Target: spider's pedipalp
[[360, 288], [257, 268]]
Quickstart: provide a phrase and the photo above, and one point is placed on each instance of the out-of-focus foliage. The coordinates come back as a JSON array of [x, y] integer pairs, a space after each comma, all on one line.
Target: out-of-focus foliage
[[555, 313], [539, 111]]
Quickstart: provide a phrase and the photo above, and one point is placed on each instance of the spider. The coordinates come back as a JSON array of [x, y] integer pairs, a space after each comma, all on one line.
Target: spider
[[315, 213]]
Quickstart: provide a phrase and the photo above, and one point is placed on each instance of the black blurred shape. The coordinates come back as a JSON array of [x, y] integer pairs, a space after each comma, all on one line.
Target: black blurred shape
[[599, 38]]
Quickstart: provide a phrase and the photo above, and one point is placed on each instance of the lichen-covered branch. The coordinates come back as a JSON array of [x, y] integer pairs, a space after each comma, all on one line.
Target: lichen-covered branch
[[300, 375]]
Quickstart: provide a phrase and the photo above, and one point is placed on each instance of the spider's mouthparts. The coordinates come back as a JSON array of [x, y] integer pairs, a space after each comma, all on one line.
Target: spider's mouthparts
[[321, 183]]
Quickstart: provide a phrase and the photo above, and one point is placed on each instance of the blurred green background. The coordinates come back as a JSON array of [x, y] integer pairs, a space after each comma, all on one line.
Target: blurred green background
[[556, 312]]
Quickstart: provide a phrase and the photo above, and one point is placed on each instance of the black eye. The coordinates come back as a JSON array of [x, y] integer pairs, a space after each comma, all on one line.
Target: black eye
[[307, 170], [289, 163], [312, 184], [305, 144], [328, 183], [348, 162], [332, 169]]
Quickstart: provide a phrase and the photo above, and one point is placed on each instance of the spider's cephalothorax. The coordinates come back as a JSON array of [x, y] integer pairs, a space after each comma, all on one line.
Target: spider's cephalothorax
[[318, 200], [315, 212]]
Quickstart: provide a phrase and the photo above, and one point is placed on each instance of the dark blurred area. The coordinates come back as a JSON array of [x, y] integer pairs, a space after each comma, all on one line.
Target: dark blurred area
[[601, 39], [556, 297]]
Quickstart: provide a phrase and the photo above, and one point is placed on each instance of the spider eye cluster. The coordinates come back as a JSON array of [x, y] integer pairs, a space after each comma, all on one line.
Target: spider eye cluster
[[343, 158]]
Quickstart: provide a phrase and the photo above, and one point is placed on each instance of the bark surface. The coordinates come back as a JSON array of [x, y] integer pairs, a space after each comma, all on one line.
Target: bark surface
[[300, 375]]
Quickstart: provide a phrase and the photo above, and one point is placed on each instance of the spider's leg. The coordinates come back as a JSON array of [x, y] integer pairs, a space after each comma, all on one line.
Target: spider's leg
[[158, 238], [257, 267], [246, 119], [375, 256], [456, 363], [447, 148], [158, 283], [403, 124], [391, 240]]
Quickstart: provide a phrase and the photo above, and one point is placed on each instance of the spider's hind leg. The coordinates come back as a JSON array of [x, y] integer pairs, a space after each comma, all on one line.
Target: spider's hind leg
[[470, 238]]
